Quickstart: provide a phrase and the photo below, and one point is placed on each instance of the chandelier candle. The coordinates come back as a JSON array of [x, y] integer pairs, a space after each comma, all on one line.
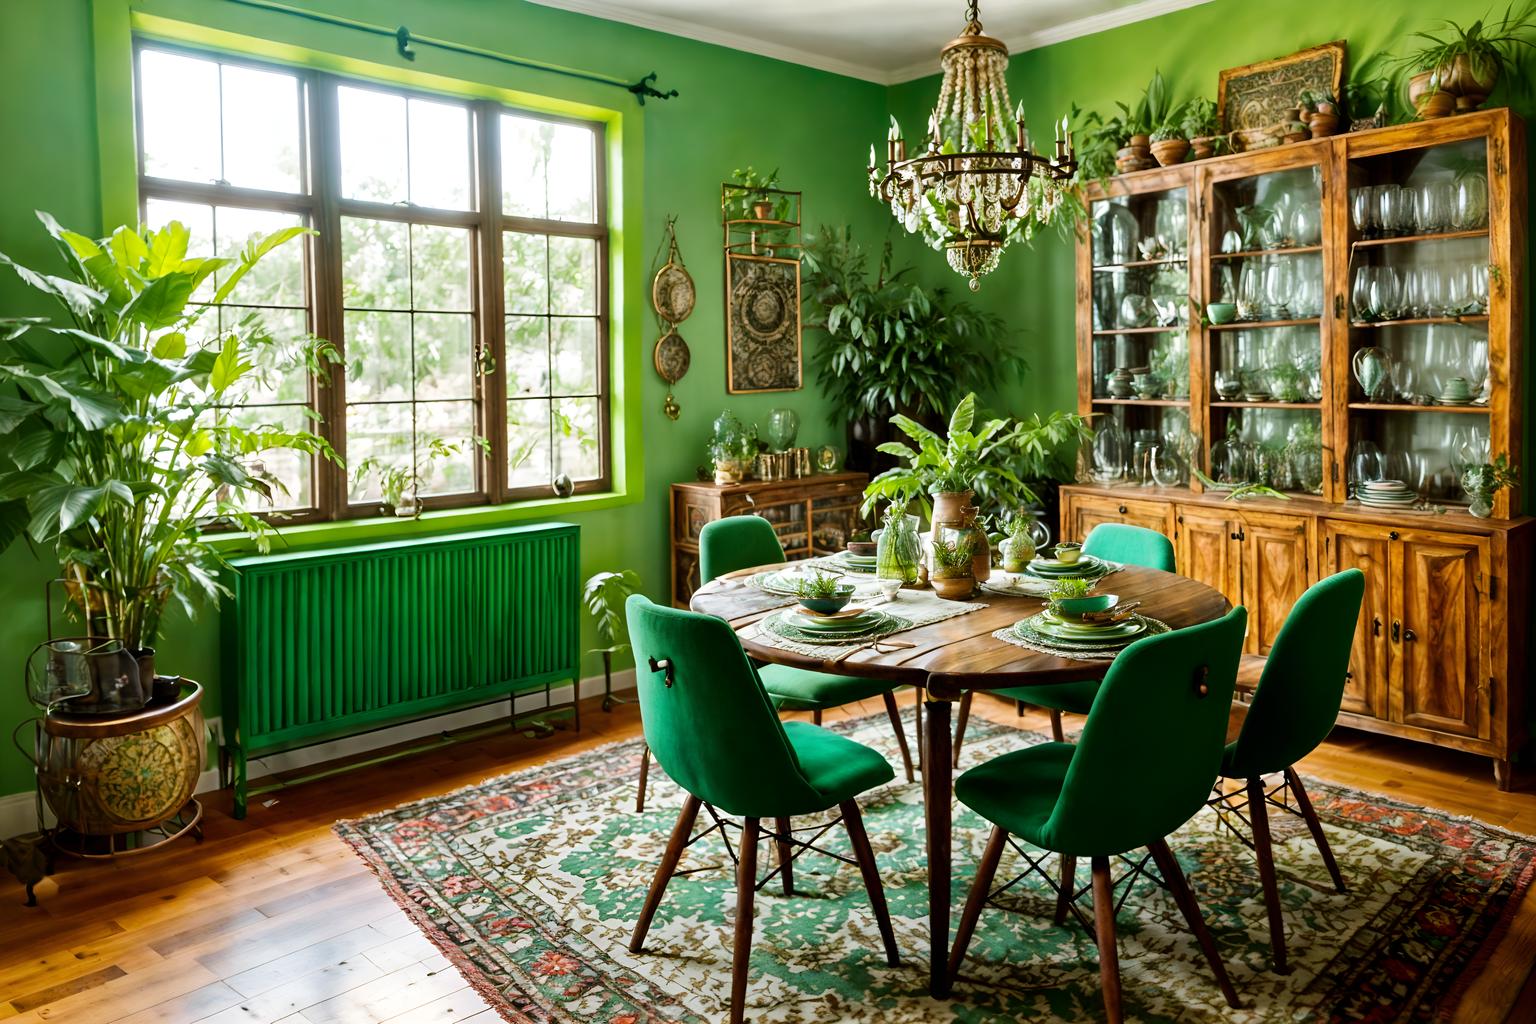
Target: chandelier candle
[[969, 194]]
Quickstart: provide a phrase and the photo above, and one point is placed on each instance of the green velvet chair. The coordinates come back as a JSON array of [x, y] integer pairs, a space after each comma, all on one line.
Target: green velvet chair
[[1292, 711], [740, 542], [714, 730], [1144, 764], [1117, 542]]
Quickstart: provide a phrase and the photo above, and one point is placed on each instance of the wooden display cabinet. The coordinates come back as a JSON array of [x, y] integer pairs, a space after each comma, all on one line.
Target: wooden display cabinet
[[813, 516], [1439, 652]]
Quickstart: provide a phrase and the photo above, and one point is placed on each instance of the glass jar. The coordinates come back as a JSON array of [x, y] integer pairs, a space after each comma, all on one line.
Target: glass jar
[[1111, 451], [1231, 463], [783, 425], [1373, 371], [1017, 549], [954, 550], [898, 551], [1168, 469]]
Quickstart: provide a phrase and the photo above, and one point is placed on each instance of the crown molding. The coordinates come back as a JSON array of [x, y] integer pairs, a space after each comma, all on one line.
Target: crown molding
[[611, 11], [1092, 24]]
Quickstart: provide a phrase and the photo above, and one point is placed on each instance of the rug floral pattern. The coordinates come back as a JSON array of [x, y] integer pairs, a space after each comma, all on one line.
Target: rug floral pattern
[[531, 883]]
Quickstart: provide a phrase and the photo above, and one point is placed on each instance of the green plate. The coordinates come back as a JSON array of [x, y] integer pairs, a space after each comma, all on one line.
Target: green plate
[[1087, 567], [1058, 630], [854, 624], [1024, 631]]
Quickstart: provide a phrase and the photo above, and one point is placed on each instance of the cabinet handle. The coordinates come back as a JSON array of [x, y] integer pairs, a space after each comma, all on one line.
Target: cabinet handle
[[1409, 636], [1375, 626], [1338, 306], [1396, 630], [1392, 535], [1239, 535], [1122, 510], [749, 499]]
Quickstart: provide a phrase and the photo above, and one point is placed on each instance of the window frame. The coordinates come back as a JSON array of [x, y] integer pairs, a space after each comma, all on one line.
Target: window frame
[[323, 206]]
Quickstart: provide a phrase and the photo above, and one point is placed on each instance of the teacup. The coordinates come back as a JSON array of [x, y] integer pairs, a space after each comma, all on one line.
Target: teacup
[[1221, 312], [1068, 552]]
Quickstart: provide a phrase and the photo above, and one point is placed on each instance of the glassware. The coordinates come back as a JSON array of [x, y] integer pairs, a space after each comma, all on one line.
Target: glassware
[[1111, 449], [1469, 447], [1432, 291], [898, 551], [1386, 293], [1364, 464], [1362, 211], [829, 458], [1470, 208], [1168, 469], [1360, 293], [1433, 202], [1229, 384], [1307, 468], [1477, 365], [1405, 380], [783, 425], [1250, 292], [1232, 463], [1413, 291], [1479, 296], [1137, 311], [1117, 226], [1307, 224], [1373, 370], [1394, 210], [1279, 279]]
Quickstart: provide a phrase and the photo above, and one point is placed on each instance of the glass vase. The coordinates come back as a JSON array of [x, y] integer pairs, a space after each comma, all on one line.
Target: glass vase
[[1481, 504], [898, 551]]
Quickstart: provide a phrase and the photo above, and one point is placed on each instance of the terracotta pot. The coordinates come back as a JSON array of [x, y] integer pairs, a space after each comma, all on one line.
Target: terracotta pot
[[762, 211], [1141, 143], [1202, 147], [955, 506], [1429, 102], [954, 589], [1469, 90], [1170, 151], [1323, 125]]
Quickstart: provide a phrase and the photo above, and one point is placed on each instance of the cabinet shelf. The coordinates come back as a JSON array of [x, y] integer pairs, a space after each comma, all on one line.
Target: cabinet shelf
[[1477, 410], [1141, 330], [1246, 254], [1135, 264], [1254, 325], [1266, 405], [1443, 236], [1142, 401], [1369, 325]]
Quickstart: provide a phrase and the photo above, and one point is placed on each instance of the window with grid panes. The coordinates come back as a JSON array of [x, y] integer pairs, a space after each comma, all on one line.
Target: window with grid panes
[[459, 266]]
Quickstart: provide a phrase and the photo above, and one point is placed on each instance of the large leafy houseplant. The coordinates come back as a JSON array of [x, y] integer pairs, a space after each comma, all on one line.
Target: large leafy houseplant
[[118, 440], [960, 461], [1471, 59]]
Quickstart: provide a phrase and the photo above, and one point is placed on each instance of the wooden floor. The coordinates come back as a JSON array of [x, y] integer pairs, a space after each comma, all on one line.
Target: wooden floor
[[274, 919]]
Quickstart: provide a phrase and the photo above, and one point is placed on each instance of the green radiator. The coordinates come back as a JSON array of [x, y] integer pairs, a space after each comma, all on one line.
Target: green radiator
[[330, 643]]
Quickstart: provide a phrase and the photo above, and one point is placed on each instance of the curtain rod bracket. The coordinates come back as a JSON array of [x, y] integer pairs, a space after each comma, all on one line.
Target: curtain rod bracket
[[643, 88], [403, 43]]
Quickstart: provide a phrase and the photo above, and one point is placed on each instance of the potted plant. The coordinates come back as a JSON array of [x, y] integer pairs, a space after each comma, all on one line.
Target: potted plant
[[400, 485], [1320, 110], [954, 555], [885, 343], [1368, 95], [604, 595], [1202, 127], [1099, 145], [1482, 482], [1150, 111], [750, 196], [1169, 144], [732, 447], [1458, 66], [118, 440]]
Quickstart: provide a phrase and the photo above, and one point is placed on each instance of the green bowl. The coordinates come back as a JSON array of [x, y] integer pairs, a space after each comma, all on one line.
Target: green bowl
[[1221, 312], [1075, 606], [829, 605]]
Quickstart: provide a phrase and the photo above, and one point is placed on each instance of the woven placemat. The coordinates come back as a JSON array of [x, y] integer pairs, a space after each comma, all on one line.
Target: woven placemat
[[915, 607], [1010, 635]]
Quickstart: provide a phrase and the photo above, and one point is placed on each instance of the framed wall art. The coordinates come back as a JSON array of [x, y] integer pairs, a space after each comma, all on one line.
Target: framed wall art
[[1256, 99], [762, 323]]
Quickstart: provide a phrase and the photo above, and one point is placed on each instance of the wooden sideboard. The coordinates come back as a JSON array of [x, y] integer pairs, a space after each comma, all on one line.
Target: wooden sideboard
[[813, 515], [1440, 651]]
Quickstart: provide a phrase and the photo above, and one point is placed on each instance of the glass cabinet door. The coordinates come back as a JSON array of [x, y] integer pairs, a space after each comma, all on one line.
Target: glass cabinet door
[[1266, 292], [1419, 302], [1141, 319]]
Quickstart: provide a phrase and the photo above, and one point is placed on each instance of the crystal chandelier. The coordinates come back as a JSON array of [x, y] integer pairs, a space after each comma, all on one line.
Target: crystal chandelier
[[978, 186]]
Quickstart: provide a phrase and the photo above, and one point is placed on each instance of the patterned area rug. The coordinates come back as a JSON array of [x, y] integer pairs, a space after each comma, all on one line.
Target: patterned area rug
[[531, 884]]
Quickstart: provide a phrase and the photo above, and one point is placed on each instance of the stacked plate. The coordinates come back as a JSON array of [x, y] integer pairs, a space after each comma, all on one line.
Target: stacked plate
[[1074, 634], [855, 563], [1016, 584], [847, 626], [1387, 494], [1086, 567]]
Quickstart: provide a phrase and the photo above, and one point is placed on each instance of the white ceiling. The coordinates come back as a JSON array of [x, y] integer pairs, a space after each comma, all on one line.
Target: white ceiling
[[884, 41]]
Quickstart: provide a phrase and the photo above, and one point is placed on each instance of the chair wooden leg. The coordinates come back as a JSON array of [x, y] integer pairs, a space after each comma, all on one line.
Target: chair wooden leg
[[981, 886], [1258, 811], [960, 724], [645, 774], [746, 885], [816, 717], [664, 871], [1304, 802], [786, 854], [1179, 885], [894, 713], [1068, 887], [1056, 733], [1104, 931], [864, 853], [1018, 709], [918, 690]]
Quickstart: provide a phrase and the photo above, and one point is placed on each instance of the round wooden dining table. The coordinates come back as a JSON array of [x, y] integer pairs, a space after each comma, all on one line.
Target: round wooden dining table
[[946, 659]]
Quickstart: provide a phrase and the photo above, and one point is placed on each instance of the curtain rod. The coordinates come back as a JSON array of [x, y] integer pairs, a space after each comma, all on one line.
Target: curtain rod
[[404, 40]]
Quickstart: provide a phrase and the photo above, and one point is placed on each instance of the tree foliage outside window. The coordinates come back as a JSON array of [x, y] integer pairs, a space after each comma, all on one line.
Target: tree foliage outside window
[[471, 325]]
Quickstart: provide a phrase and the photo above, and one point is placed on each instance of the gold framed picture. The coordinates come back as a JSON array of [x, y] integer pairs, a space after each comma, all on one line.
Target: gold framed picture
[[762, 323], [1257, 97]]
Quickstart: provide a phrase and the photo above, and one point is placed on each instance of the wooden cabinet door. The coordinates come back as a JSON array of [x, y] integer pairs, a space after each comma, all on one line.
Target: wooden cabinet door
[[1207, 551], [1277, 558], [1085, 511], [1441, 633], [1367, 548]]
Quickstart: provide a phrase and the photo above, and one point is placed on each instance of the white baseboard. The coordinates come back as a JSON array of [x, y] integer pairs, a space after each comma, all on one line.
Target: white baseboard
[[18, 814]]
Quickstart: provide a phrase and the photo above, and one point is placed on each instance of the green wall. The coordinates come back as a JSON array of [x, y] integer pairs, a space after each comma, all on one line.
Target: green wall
[[734, 109]]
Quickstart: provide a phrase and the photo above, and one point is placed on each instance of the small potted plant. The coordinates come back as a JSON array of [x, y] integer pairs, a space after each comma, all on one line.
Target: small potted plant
[[751, 198], [1169, 144], [400, 486], [823, 594], [1202, 127], [1149, 112], [953, 555], [604, 595], [1458, 66], [1482, 482], [1320, 109], [1099, 145], [732, 448]]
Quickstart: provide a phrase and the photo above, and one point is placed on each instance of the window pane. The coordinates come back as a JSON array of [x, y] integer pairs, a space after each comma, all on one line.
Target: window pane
[[280, 375], [294, 470], [547, 169], [373, 145], [524, 262], [380, 433], [198, 220], [278, 278], [528, 442], [528, 355], [376, 264], [440, 158], [574, 355], [445, 362], [441, 265], [572, 275], [378, 357], [261, 137], [576, 438], [179, 97], [452, 423]]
